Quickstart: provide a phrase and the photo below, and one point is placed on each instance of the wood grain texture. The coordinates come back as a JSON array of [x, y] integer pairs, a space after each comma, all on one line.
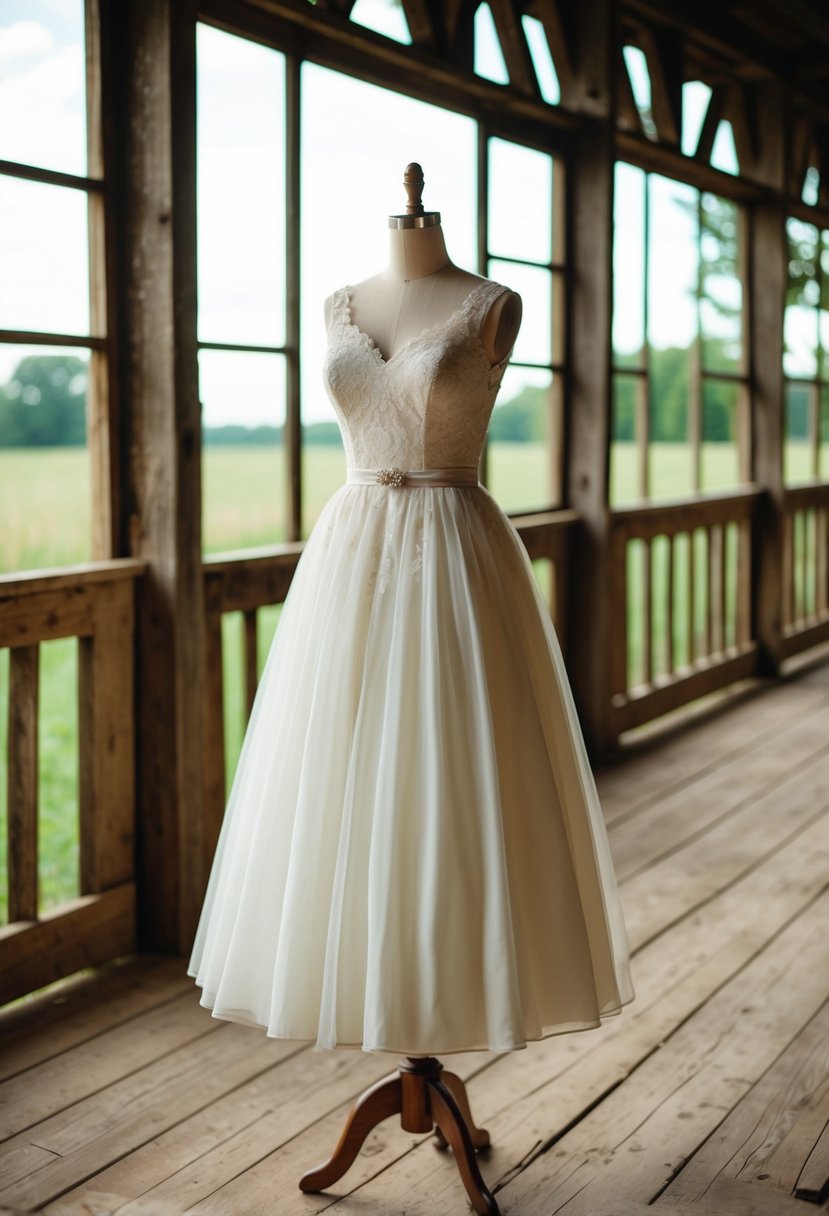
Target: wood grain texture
[[23, 782]]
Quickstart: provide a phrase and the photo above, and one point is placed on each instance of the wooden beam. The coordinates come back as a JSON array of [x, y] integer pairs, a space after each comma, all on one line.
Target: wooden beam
[[78, 934], [713, 116], [588, 413], [552, 15], [740, 110], [664, 51], [153, 42], [767, 273], [627, 111], [514, 47]]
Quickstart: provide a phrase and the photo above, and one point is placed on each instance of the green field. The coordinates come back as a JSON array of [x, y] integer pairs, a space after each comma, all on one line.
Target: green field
[[45, 513]]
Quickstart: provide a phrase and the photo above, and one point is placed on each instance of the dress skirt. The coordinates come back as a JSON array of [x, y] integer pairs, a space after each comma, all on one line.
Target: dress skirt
[[413, 856]]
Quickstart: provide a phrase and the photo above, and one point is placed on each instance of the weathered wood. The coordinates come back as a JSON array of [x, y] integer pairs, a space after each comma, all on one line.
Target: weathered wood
[[589, 404], [292, 431], [813, 1182], [78, 934], [664, 49], [154, 46], [514, 47], [81, 1007], [106, 742], [24, 671]]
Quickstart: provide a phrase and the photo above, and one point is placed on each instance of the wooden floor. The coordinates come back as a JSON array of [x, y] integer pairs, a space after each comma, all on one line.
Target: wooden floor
[[708, 1095]]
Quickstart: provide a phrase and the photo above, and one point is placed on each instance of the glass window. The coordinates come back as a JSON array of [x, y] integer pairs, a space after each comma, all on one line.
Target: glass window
[[520, 219], [489, 58], [383, 16], [640, 82], [545, 68], [44, 258], [806, 353], [243, 415], [241, 190], [43, 84], [678, 325]]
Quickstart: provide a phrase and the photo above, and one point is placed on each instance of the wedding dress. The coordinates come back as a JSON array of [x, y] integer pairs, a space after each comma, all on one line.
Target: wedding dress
[[413, 856]]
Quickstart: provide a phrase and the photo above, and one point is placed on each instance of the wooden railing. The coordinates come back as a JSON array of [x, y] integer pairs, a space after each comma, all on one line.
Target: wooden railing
[[680, 591], [805, 567], [93, 603], [245, 582]]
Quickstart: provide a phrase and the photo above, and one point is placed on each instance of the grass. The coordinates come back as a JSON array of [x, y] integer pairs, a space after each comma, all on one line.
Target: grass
[[45, 509]]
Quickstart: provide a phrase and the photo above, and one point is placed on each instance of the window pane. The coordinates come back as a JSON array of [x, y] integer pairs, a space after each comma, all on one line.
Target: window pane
[[724, 150], [720, 462], [626, 452], [823, 455], [489, 58], [243, 412], [523, 441], [695, 99], [241, 190], [672, 326], [43, 84], [721, 320], [44, 465], [383, 16], [628, 265], [534, 343], [797, 455], [802, 299], [545, 68], [520, 201], [44, 276], [640, 83]]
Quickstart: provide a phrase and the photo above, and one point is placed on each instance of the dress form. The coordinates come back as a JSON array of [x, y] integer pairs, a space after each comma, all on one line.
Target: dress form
[[421, 285]]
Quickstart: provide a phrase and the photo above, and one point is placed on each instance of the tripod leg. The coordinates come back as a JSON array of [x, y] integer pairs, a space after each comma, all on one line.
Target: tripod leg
[[449, 1119], [372, 1107], [478, 1135]]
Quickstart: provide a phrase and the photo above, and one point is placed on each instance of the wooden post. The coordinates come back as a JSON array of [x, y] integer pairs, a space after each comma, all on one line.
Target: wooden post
[[589, 406], [153, 42], [768, 261]]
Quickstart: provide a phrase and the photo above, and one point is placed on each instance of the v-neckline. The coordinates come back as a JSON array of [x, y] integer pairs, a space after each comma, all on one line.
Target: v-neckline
[[428, 329]]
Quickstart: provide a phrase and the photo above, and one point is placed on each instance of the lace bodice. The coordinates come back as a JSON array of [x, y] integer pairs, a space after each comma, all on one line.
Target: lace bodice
[[429, 404]]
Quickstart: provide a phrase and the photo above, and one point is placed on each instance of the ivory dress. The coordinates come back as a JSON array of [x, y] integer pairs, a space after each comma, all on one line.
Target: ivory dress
[[413, 856]]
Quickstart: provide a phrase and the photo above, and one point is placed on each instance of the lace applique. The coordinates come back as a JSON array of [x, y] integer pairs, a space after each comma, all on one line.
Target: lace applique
[[428, 404]]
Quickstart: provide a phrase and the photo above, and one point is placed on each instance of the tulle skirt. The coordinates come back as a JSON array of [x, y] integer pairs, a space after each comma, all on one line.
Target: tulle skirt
[[413, 856]]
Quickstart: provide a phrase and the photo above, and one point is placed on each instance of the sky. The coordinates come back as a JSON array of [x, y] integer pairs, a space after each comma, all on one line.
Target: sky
[[356, 140]]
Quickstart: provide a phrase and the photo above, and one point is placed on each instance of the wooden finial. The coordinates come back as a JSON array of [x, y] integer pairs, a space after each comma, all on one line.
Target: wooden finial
[[413, 183]]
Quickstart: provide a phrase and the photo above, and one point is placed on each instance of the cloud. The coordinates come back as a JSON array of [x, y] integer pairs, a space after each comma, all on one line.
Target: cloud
[[24, 40]]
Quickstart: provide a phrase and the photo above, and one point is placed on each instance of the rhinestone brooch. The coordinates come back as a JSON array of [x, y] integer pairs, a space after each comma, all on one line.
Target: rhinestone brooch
[[391, 477]]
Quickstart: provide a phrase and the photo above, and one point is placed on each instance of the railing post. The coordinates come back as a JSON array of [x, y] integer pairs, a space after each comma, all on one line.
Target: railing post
[[153, 43], [767, 267], [590, 208]]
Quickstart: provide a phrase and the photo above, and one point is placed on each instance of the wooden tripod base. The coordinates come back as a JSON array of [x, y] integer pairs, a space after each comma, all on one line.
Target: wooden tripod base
[[427, 1099]]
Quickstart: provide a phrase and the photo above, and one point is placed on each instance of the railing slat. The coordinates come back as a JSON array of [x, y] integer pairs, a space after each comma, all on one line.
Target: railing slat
[[647, 612], [669, 605], [250, 649], [23, 781], [106, 746]]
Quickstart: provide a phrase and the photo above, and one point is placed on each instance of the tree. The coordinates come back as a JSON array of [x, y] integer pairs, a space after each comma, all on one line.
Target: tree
[[44, 403]]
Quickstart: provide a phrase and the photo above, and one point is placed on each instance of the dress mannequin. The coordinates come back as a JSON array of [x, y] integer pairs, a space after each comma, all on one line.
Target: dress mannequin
[[420, 285]]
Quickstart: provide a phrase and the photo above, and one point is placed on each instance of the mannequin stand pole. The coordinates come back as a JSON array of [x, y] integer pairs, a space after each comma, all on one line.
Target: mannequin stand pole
[[427, 1099]]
